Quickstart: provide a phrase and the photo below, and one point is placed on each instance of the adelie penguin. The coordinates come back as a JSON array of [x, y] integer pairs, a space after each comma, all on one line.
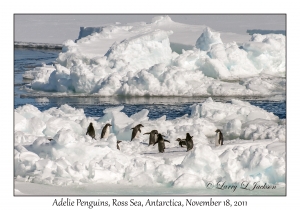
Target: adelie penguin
[[136, 131], [118, 144], [181, 142], [161, 143], [91, 131], [219, 138], [189, 142], [105, 131], [152, 136]]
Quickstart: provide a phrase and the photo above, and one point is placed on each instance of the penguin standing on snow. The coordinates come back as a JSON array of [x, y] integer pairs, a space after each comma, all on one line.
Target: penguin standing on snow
[[105, 131], [219, 138], [161, 143], [91, 131], [189, 142], [136, 131], [152, 137], [181, 142], [118, 144]]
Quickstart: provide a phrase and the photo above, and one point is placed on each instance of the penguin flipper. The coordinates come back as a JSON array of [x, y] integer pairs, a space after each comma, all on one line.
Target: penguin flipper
[[221, 138], [166, 140], [146, 133]]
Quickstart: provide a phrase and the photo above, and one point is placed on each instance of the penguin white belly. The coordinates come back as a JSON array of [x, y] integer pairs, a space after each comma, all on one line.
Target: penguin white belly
[[217, 139], [107, 132], [137, 134]]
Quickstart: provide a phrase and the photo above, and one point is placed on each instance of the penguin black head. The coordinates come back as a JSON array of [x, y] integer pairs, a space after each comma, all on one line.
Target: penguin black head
[[178, 139], [139, 125], [155, 132], [188, 136], [118, 142], [91, 124], [218, 130], [108, 124]]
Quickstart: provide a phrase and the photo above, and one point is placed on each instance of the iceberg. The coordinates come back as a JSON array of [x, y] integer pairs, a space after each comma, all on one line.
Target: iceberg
[[137, 60]]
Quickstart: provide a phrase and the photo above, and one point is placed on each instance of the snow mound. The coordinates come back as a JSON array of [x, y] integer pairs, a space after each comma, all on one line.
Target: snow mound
[[51, 147], [207, 39], [141, 51], [137, 60]]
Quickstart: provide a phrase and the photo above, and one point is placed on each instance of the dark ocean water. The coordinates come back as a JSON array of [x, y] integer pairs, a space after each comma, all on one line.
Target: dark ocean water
[[172, 107]]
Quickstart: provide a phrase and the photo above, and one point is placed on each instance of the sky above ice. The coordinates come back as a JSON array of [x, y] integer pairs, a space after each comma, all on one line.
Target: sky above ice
[[58, 28]]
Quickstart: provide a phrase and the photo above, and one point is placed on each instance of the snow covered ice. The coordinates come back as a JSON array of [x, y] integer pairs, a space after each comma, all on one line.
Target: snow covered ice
[[138, 60], [253, 150], [156, 59]]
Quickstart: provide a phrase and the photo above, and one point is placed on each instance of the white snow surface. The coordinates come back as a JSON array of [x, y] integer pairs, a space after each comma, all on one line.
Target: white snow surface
[[253, 150], [138, 60]]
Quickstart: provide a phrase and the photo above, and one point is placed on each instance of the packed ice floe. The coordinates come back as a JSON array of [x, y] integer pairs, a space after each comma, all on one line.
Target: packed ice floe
[[138, 60], [51, 147]]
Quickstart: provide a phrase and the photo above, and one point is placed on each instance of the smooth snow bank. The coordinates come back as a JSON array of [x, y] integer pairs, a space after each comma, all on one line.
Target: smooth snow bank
[[74, 158], [140, 62]]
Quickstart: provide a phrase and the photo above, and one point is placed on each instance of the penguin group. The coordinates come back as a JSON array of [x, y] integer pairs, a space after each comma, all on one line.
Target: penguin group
[[154, 137], [188, 142]]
